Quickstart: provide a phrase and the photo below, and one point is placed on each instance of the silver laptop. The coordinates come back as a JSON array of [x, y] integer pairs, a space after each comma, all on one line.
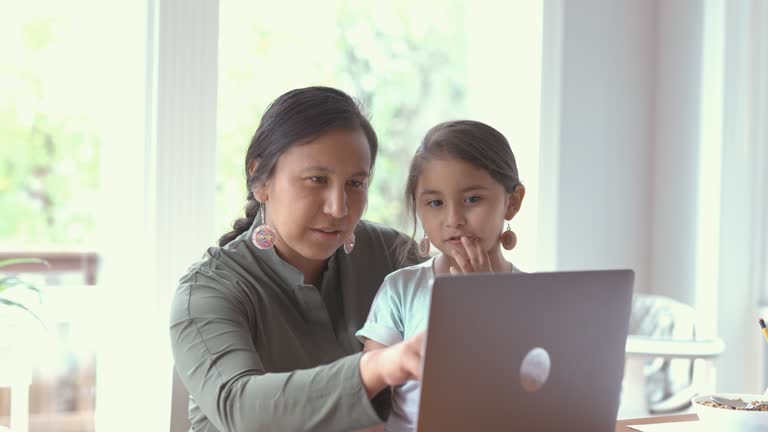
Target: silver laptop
[[528, 352]]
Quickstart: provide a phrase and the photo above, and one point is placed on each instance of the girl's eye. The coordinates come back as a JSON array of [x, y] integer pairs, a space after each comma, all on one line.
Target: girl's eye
[[472, 199], [434, 203], [357, 184]]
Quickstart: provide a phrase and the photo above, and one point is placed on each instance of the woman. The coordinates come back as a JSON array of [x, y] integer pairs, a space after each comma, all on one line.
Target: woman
[[263, 327]]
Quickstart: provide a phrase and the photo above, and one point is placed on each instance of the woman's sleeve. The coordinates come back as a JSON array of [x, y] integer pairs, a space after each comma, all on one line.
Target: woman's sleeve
[[215, 356], [385, 320]]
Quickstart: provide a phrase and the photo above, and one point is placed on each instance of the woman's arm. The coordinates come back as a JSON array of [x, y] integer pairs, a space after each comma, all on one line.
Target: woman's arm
[[214, 353], [213, 349]]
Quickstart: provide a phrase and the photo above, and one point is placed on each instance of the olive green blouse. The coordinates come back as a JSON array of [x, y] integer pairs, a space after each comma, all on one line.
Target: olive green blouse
[[259, 350]]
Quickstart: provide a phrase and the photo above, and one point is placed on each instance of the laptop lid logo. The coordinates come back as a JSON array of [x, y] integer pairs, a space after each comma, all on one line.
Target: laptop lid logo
[[534, 370]]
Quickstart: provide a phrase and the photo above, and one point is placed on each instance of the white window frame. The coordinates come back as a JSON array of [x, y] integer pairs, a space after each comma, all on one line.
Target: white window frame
[[729, 297], [167, 222]]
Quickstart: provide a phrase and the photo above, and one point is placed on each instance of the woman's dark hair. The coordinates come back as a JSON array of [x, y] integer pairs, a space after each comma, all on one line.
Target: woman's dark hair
[[295, 118], [467, 140]]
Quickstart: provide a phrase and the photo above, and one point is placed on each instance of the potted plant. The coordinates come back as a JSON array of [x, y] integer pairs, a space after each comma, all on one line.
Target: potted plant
[[15, 311], [15, 359], [8, 282]]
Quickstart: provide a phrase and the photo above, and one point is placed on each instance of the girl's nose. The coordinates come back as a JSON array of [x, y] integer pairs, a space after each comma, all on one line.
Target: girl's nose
[[455, 217]]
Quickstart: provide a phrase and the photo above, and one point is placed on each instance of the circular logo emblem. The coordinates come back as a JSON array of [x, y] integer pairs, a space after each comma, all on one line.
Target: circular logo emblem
[[534, 371]]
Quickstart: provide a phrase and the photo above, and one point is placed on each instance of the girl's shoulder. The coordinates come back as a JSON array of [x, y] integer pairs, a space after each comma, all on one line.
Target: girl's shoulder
[[414, 277]]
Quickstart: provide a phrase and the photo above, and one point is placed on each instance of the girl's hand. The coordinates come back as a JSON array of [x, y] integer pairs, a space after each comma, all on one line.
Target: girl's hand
[[393, 365], [471, 258]]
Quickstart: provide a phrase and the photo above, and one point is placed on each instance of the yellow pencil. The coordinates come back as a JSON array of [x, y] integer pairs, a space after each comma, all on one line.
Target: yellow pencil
[[765, 330]]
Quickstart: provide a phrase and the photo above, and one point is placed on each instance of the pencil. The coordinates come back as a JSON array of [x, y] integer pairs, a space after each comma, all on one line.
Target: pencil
[[765, 330]]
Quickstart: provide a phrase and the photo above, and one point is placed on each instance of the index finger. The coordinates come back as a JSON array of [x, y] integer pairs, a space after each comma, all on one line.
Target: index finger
[[470, 246], [459, 255], [483, 260]]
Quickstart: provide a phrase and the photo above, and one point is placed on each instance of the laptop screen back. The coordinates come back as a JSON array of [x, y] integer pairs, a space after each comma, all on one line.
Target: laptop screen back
[[517, 351]]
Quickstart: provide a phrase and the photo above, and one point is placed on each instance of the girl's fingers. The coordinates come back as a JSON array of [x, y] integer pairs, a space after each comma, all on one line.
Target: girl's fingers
[[480, 263], [453, 270], [478, 258], [484, 261], [469, 247], [460, 257]]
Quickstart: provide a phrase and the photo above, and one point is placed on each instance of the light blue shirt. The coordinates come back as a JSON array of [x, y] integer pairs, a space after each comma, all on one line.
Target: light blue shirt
[[401, 310]]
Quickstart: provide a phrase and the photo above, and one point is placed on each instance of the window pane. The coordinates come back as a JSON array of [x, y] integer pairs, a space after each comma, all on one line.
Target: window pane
[[412, 65], [59, 72], [404, 62]]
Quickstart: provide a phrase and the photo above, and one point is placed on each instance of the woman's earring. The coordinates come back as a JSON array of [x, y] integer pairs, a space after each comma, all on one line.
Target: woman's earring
[[349, 244], [264, 235], [508, 239], [424, 246]]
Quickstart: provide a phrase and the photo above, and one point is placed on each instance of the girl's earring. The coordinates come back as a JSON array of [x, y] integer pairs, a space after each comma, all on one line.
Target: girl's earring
[[264, 235], [349, 244], [508, 239], [424, 246]]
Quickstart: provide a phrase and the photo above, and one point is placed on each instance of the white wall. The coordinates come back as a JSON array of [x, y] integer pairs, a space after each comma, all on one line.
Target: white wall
[[627, 139], [645, 162], [674, 171], [605, 140]]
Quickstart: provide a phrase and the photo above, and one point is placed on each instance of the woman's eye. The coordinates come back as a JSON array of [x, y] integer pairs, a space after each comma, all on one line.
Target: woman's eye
[[357, 184], [472, 199], [318, 179], [434, 203]]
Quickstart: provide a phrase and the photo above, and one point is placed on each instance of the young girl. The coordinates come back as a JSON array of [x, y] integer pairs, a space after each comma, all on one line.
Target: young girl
[[463, 185]]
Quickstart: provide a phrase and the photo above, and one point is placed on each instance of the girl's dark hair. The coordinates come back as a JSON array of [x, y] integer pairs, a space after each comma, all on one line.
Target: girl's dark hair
[[467, 140], [296, 118]]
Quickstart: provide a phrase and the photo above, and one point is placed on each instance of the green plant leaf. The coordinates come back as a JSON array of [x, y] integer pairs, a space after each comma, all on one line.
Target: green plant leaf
[[12, 261], [12, 281], [12, 303]]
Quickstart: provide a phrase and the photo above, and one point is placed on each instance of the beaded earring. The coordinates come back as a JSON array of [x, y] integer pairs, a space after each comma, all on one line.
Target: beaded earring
[[508, 239], [264, 235], [424, 245]]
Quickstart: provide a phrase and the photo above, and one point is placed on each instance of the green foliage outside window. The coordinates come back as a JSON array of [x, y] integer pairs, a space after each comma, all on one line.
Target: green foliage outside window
[[403, 60], [48, 151]]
